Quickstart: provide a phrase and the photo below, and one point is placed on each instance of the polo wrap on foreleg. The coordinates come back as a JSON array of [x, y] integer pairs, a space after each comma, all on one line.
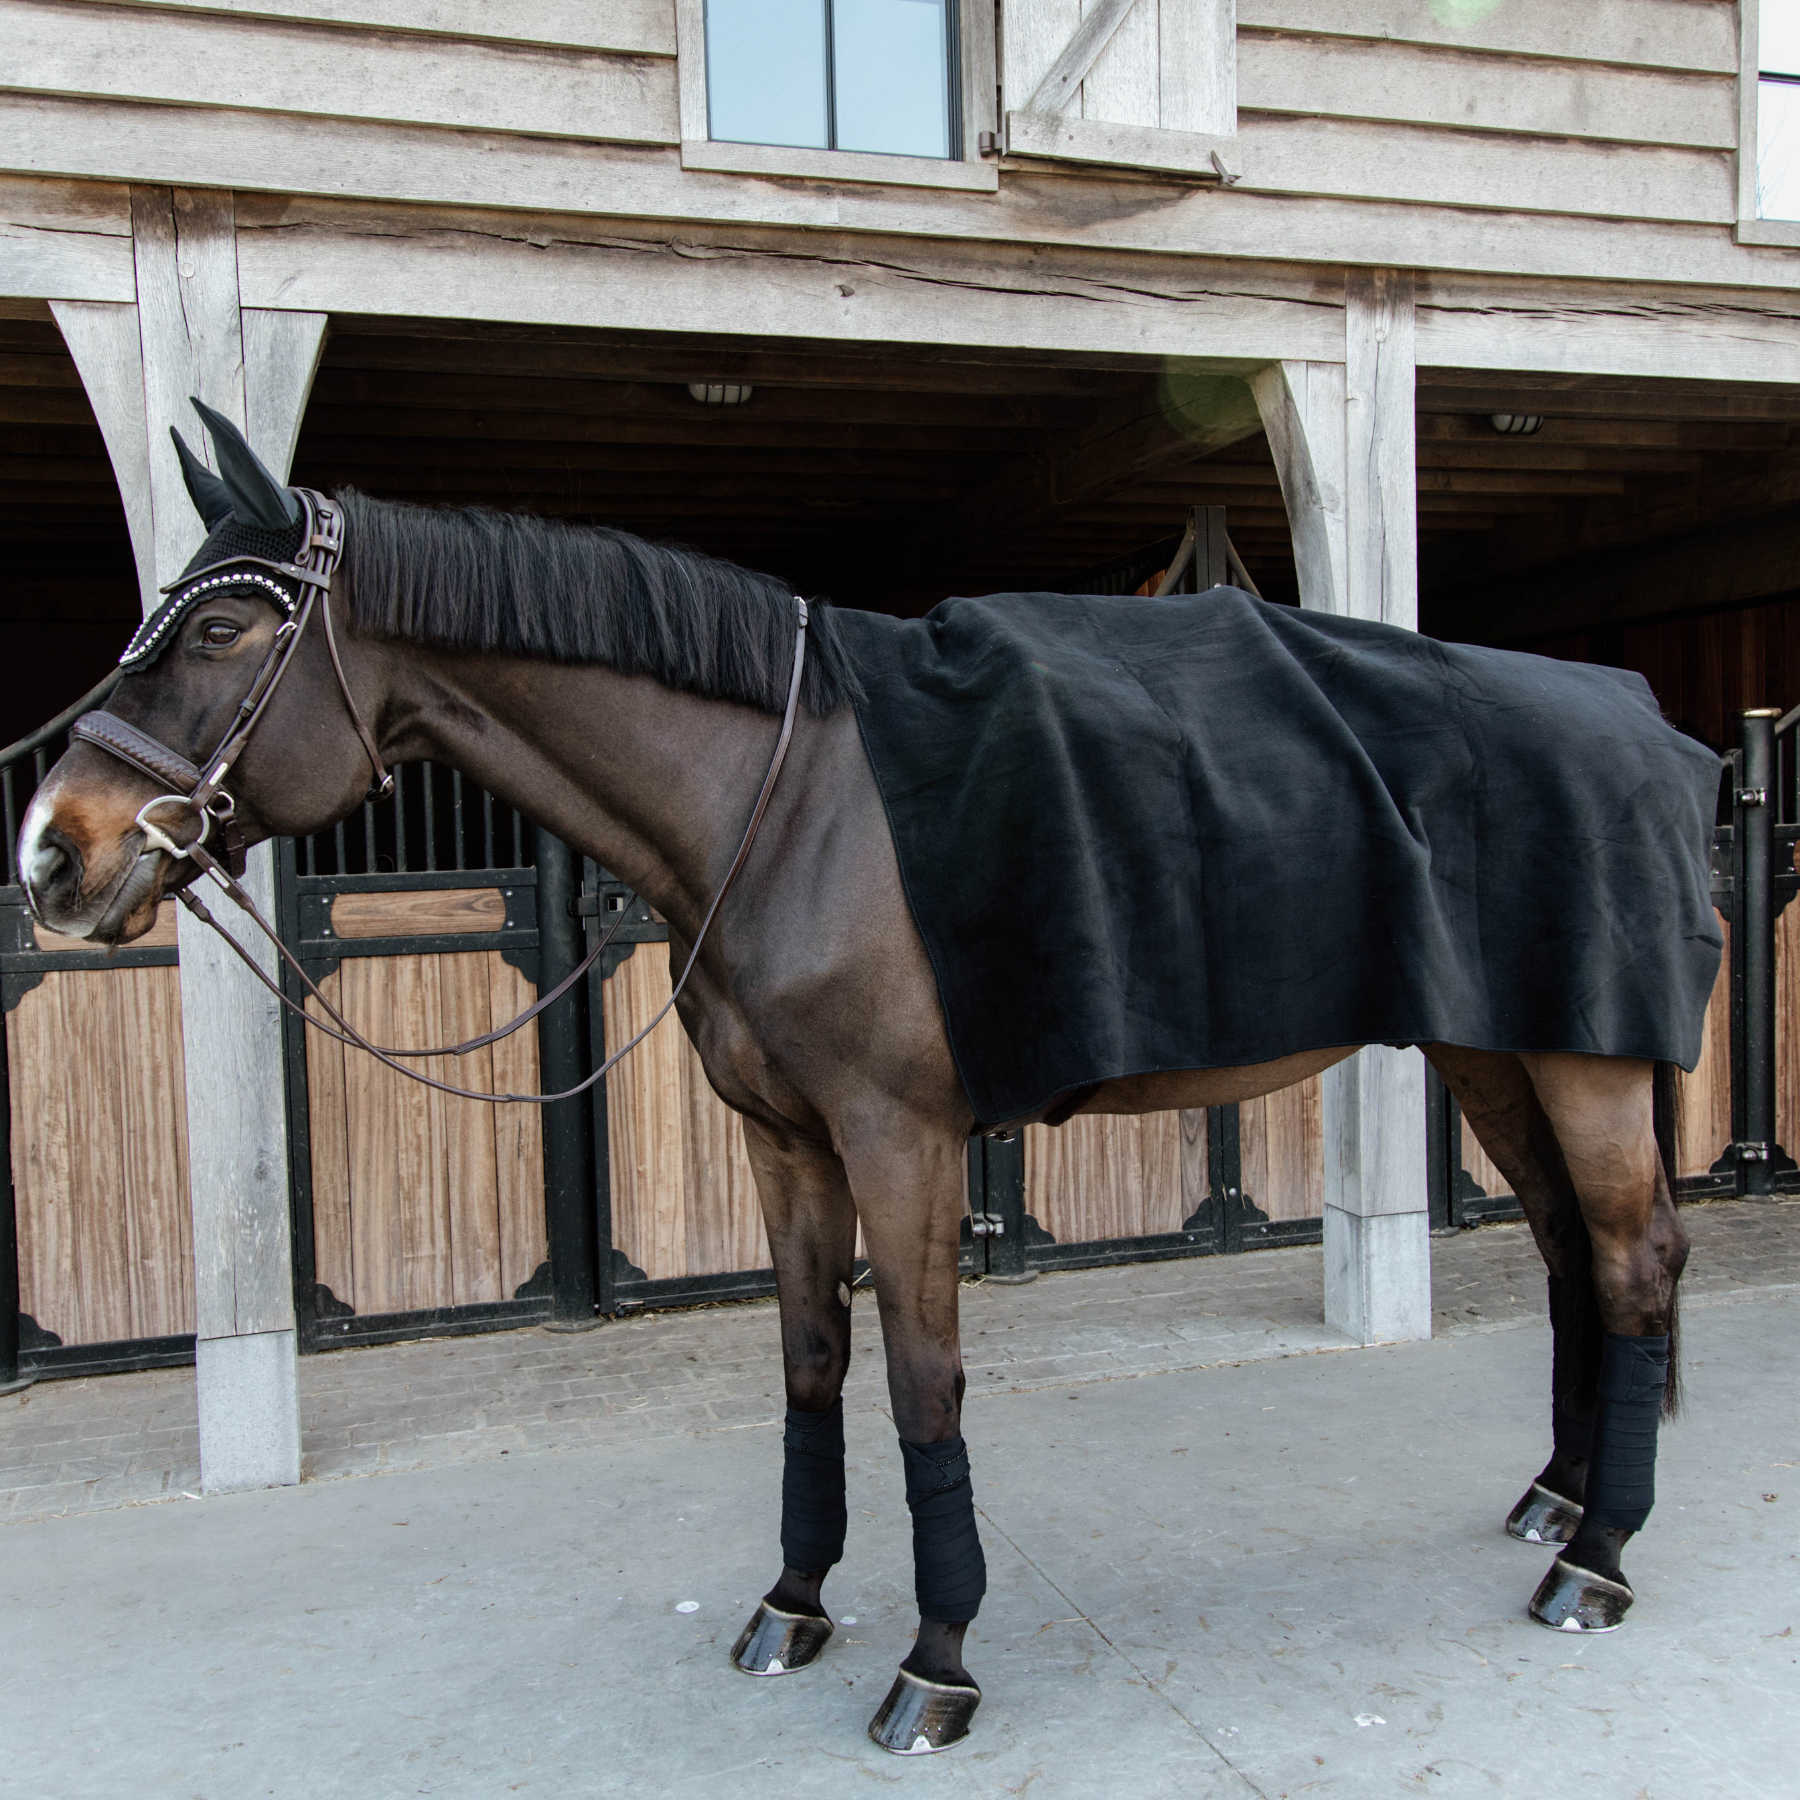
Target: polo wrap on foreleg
[[813, 1513], [949, 1571], [1571, 1408], [1621, 1483]]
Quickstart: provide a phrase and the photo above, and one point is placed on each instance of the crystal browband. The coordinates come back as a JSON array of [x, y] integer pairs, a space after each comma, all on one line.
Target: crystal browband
[[150, 634]]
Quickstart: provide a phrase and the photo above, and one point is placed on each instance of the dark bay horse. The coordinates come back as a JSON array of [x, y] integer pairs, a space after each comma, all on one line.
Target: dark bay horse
[[627, 696]]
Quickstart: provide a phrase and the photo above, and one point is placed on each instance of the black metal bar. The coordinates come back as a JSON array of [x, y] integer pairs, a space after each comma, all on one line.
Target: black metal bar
[[1212, 565], [341, 843], [1754, 814], [1225, 1167], [1439, 1170], [297, 1098], [606, 1296], [368, 837], [400, 820], [9, 1237], [569, 1213], [487, 829], [12, 824], [1004, 1180], [456, 816], [428, 772]]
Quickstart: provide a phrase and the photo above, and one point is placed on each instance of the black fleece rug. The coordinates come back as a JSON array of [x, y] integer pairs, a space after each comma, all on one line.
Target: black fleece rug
[[1202, 831]]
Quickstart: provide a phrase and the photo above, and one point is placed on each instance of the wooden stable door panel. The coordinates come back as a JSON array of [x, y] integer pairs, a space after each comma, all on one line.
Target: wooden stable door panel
[[420, 1199], [1281, 1148], [99, 1146], [1787, 1029], [1105, 1175], [1703, 1108], [683, 1197]]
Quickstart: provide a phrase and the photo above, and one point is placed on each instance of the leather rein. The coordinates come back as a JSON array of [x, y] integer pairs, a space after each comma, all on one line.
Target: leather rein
[[202, 791]]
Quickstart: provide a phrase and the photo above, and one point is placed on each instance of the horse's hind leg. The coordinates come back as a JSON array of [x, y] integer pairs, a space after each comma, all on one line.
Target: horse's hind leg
[[1602, 1112], [1501, 1106], [812, 1239]]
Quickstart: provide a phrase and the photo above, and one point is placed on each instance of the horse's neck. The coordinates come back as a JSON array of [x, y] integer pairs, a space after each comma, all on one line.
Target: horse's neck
[[653, 784]]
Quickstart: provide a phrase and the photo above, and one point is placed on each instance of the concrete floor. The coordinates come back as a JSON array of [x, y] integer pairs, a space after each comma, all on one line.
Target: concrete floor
[[1277, 1578]]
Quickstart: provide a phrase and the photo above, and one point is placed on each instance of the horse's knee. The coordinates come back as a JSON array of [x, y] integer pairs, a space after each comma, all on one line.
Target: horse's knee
[[815, 1363]]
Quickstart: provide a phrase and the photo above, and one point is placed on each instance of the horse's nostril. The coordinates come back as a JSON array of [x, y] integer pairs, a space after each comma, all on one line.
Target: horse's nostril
[[53, 863]]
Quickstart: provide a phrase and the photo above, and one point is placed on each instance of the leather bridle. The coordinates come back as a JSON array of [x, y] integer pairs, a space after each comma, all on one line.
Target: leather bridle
[[201, 789]]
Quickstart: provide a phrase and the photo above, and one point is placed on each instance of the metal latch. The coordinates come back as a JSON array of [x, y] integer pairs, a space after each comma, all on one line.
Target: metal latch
[[1751, 1152], [1750, 796], [986, 1224]]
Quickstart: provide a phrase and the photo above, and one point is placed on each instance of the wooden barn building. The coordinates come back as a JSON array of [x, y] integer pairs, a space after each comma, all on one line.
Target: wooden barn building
[[1474, 316]]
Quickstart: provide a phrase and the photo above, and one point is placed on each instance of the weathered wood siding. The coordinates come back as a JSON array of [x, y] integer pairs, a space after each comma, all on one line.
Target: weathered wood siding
[[1101, 1176], [99, 1148], [683, 1198], [1495, 146], [422, 1200]]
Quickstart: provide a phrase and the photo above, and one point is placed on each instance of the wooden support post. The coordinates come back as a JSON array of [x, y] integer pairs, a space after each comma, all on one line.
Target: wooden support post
[[570, 1218], [1342, 437], [187, 335]]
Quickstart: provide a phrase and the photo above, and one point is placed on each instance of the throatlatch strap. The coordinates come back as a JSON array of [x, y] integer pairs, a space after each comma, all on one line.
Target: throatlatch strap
[[1621, 1483], [949, 1571], [813, 1511]]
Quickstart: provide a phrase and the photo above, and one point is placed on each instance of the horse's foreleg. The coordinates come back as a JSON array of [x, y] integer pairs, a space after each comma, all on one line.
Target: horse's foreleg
[[909, 1191], [812, 1238], [1501, 1106], [1601, 1111]]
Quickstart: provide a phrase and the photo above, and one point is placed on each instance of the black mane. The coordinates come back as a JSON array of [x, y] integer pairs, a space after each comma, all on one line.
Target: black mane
[[469, 578]]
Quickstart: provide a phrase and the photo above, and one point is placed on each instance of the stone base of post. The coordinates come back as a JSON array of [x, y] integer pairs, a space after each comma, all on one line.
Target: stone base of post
[[249, 1412], [1377, 1199]]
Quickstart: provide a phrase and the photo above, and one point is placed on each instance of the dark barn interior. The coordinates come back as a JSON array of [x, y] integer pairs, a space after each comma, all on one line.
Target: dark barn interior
[[1647, 524]]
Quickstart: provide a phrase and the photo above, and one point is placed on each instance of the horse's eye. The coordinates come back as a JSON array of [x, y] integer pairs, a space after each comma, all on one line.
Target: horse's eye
[[217, 636]]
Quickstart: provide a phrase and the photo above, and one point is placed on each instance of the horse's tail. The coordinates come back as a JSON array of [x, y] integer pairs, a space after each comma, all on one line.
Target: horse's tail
[[1664, 1101]]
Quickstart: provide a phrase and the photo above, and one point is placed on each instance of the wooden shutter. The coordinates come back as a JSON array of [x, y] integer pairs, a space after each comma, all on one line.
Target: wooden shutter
[[1141, 84]]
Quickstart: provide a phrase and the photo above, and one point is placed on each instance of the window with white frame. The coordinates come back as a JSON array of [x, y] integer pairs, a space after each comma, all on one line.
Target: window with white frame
[[872, 75], [1778, 111]]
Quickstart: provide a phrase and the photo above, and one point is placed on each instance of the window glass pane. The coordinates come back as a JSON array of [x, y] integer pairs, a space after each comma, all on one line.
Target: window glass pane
[[765, 71], [893, 76], [1778, 151], [1779, 21]]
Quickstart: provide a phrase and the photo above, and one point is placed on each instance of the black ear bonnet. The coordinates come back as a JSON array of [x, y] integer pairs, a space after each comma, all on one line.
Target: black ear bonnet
[[248, 515]]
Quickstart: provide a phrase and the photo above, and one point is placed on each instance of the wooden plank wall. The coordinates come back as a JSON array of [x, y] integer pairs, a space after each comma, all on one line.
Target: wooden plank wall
[[1703, 1112], [683, 1197], [1429, 133], [421, 1200], [99, 1145], [1101, 1176], [1281, 1149], [1787, 1030]]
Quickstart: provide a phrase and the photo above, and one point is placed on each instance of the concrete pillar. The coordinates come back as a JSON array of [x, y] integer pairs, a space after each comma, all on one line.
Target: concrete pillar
[[1342, 437], [187, 334]]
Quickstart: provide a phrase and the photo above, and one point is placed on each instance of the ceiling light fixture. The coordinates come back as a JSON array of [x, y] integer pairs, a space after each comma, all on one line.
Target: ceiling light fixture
[[720, 393], [1516, 424]]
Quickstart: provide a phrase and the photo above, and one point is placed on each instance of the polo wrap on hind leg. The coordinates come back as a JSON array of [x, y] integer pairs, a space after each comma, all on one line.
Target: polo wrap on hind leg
[[1621, 1484], [813, 1511], [949, 1571]]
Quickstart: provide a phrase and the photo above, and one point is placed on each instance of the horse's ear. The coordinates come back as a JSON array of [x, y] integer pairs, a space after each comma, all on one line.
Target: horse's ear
[[256, 496], [211, 497]]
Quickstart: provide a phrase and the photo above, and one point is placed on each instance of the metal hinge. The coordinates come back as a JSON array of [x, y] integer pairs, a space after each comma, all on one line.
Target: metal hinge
[[986, 1224], [1750, 796], [1750, 1152]]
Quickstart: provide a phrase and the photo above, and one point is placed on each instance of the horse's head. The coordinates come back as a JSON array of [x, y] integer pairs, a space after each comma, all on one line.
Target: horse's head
[[88, 852]]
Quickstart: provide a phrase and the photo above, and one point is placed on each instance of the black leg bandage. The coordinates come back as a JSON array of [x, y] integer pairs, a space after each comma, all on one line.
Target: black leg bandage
[[1571, 1379], [813, 1514], [1621, 1483], [949, 1571]]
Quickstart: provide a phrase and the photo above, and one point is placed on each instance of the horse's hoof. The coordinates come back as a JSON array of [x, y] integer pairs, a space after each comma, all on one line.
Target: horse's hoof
[[778, 1643], [1574, 1599], [921, 1716], [1542, 1517]]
